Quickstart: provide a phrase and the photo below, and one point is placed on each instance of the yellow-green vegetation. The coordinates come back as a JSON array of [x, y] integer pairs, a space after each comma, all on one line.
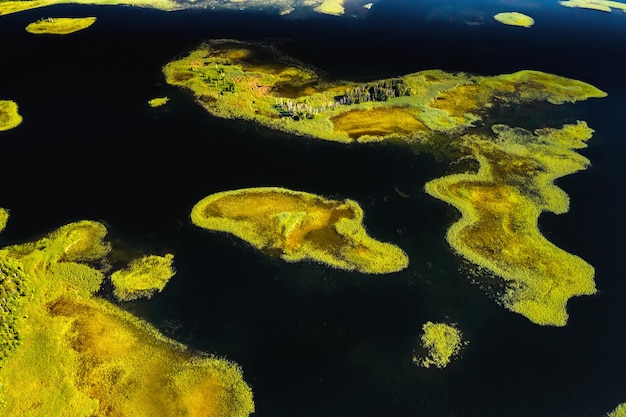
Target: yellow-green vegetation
[[9, 115], [65, 351], [158, 101], [233, 79], [9, 7], [515, 19], [601, 5], [297, 226], [500, 206], [332, 7], [442, 342], [60, 25], [4, 217], [143, 277], [620, 411], [434, 111]]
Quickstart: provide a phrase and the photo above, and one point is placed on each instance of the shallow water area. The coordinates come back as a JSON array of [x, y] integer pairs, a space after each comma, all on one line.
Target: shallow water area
[[313, 340]]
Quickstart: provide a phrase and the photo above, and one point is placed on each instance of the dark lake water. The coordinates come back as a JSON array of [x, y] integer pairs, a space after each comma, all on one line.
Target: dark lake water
[[314, 341]]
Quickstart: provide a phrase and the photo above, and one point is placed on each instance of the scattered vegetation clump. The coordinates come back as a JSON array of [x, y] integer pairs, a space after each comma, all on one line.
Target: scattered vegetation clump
[[9, 115], [442, 342], [299, 226], [60, 25], [143, 277]]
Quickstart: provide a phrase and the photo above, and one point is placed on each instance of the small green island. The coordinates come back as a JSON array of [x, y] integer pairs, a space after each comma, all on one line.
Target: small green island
[[441, 342], [297, 226], [143, 277], [9, 116], [158, 101], [450, 115], [514, 19], [66, 351], [60, 25]]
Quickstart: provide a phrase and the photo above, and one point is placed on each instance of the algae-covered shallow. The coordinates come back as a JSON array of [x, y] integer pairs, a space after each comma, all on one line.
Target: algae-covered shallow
[[313, 339]]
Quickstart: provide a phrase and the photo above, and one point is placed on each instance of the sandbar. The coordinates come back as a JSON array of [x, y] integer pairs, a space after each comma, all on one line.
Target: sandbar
[[298, 226]]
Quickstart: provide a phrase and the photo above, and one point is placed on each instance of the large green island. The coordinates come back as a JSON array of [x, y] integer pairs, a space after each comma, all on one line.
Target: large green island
[[66, 352], [500, 196]]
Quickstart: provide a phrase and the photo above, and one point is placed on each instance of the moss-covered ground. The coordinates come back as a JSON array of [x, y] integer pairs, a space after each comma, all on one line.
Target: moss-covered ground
[[297, 226]]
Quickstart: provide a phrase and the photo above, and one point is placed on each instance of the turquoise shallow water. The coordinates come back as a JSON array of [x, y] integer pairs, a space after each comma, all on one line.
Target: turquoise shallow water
[[314, 341]]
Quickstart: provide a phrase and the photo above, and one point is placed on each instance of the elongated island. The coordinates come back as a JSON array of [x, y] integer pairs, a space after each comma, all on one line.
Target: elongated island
[[500, 195], [60, 25]]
